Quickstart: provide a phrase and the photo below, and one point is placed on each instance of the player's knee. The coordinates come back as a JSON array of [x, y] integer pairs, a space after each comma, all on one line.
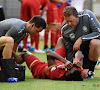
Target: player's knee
[[93, 43], [10, 41]]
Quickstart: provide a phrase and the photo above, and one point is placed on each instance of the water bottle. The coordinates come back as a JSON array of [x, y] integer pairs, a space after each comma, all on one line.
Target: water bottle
[[12, 80], [69, 2]]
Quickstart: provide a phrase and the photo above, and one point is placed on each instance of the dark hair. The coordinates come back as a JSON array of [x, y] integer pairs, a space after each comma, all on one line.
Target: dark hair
[[70, 10], [39, 21], [75, 76]]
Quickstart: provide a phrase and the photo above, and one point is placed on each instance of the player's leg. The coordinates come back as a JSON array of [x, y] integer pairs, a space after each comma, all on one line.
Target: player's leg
[[25, 42], [6, 43], [53, 35], [94, 52], [60, 47], [46, 37]]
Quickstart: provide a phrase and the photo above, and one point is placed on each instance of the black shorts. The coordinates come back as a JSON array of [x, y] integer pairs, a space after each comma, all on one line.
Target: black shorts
[[0, 57], [85, 51]]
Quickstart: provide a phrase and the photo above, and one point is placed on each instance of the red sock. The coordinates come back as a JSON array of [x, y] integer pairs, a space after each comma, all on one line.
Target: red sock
[[25, 42], [46, 35], [61, 52], [37, 40], [53, 37], [32, 39], [57, 36]]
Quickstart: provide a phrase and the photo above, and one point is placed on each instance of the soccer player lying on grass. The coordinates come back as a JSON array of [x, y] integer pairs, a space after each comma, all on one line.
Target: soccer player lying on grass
[[56, 68]]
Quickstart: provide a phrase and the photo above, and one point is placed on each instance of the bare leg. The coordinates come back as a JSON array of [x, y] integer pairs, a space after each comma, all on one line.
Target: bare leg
[[94, 50], [6, 43], [60, 43]]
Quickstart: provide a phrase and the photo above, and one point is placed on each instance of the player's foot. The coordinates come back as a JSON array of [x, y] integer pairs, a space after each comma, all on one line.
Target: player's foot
[[52, 49], [46, 49], [26, 51], [98, 64], [32, 49], [90, 75], [39, 51]]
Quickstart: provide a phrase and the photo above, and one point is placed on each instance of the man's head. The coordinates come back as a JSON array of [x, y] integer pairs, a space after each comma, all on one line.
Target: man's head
[[73, 75], [71, 16], [37, 24]]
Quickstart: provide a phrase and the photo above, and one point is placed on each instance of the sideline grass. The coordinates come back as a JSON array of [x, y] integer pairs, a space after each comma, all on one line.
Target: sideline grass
[[31, 83]]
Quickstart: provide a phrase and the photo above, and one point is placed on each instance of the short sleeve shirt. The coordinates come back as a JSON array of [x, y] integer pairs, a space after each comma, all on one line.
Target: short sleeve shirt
[[14, 28]]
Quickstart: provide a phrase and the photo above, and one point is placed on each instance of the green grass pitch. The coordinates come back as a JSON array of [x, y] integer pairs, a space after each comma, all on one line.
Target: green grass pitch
[[31, 83]]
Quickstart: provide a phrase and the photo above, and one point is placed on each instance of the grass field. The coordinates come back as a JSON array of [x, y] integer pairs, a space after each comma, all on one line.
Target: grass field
[[46, 84]]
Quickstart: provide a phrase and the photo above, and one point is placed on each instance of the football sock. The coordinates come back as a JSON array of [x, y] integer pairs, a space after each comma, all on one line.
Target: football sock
[[46, 35], [45, 46], [25, 42], [92, 65], [37, 39], [32, 39], [61, 52], [58, 35], [52, 46], [53, 37]]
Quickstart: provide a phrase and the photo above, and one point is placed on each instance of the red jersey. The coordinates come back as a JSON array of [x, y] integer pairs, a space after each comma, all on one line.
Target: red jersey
[[43, 3], [29, 8], [60, 13]]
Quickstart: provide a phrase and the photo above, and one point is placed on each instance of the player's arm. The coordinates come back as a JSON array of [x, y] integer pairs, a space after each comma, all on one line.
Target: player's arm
[[18, 58], [51, 56], [15, 47], [79, 59], [94, 26]]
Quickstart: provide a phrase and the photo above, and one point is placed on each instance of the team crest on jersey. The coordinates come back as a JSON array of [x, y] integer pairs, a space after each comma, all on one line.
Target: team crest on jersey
[[72, 35], [85, 29]]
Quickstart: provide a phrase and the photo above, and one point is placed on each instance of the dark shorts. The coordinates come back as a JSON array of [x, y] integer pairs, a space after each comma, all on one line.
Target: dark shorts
[[0, 57], [85, 50]]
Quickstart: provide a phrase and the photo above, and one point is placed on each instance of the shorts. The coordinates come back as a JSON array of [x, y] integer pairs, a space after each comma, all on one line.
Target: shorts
[[85, 51], [52, 13], [1, 56], [52, 16]]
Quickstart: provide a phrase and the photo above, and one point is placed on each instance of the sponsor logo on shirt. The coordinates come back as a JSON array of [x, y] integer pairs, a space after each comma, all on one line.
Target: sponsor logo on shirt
[[85, 29], [72, 35]]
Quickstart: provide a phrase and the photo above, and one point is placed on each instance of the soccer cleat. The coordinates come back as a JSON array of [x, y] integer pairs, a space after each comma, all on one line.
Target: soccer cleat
[[46, 49], [98, 64], [52, 49], [26, 51], [39, 51], [90, 75], [32, 49]]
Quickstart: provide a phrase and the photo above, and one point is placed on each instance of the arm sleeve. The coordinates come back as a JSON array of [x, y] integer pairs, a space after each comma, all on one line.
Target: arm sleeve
[[12, 32], [94, 26]]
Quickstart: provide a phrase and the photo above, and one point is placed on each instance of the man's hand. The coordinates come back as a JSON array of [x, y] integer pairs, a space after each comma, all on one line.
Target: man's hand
[[79, 55], [78, 64], [77, 44], [19, 59], [68, 65]]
